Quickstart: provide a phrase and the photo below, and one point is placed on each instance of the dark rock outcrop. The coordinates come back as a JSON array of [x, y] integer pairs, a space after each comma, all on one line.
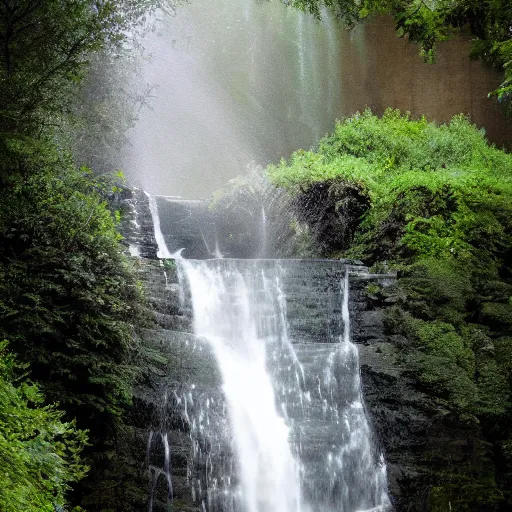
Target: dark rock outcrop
[[332, 210], [421, 441], [176, 363], [411, 429], [187, 224]]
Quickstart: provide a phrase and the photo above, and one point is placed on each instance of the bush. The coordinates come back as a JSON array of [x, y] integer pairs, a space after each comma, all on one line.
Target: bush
[[435, 191], [40, 452]]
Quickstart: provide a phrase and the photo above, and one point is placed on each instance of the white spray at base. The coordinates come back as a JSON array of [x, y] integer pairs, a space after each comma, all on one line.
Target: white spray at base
[[264, 456]]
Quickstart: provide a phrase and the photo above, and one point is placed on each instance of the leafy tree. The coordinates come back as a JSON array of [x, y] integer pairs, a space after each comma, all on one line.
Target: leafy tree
[[105, 107], [46, 47], [70, 304]]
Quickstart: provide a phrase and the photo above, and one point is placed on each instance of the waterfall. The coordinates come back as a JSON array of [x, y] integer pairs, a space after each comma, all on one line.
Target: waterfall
[[163, 252], [364, 484], [238, 324], [288, 431], [263, 250]]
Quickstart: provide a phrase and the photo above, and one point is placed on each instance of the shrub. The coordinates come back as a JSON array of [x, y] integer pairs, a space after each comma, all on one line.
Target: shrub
[[40, 452]]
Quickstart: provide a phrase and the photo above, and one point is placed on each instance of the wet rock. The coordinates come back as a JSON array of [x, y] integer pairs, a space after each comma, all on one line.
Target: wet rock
[[372, 319], [137, 224], [332, 210], [398, 340], [187, 224]]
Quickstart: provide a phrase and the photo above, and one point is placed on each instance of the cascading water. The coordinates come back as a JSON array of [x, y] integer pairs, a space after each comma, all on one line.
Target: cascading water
[[241, 327], [354, 458], [163, 252], [263, 251], [285, 434]]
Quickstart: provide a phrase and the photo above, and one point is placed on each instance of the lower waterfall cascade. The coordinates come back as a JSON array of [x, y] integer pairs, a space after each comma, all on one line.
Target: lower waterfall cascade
[[286, 430]]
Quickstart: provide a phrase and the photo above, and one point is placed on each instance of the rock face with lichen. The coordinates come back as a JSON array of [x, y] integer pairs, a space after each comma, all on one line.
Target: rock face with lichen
[[420, 438]]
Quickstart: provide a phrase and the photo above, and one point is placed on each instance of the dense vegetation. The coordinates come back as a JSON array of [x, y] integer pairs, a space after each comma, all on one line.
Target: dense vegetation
[[429, 22], [434, 203], [40, 453], [70, 304]]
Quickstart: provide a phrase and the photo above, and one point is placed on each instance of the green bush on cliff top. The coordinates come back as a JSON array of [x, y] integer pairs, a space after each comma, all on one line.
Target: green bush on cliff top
[[434, 190]]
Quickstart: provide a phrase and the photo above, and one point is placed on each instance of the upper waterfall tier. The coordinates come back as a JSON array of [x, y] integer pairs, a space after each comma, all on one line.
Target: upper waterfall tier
[[259, 224]]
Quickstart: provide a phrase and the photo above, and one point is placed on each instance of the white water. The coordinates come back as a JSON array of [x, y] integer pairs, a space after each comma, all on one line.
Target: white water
[[354, 458], [227, 316], [283, 438], [263, 250], [162, 252], [133, 250]]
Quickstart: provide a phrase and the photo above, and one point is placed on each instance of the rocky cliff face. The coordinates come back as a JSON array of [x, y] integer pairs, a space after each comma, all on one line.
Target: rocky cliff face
[[422, 442], [256, 221], [398, 411]]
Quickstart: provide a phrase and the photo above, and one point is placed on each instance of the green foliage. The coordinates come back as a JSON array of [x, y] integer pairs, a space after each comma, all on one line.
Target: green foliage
[[69, 300], [372, 289], [463, 494], [170, 265], [70, 304], [46, 50], [431, 21], [39, 452], [435, 191], [437, 289], [68, 295], [443, 360], [347, 10], [497, 315], [467, 374]]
